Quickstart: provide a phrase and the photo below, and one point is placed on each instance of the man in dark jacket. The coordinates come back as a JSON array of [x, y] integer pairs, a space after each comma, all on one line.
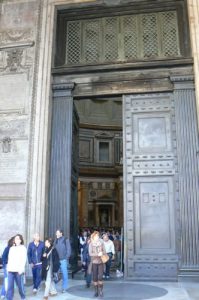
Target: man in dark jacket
[[63, 248], [35, 252]]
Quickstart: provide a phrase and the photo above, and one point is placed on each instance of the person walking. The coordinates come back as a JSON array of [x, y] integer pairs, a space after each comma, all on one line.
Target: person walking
[[16, 267], [82, 243], [63, 247], [87, 262], [4, 263], [96, 250], [117, 244], [50, 265], [110, 250], [35, 252]]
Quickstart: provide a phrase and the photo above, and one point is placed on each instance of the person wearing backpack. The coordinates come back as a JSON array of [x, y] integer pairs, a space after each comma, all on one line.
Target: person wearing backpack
[[63, 247]]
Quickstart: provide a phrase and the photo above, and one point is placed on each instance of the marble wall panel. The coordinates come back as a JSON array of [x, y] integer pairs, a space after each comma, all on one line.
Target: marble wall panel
[[13, 127], [13, 164], [14, 92], [12, 214], [18, 15]]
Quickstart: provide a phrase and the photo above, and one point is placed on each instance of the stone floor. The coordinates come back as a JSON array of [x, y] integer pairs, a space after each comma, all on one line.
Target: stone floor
[[124, 290]]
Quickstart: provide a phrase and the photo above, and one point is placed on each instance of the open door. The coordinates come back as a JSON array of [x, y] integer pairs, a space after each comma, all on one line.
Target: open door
[[149, 180]]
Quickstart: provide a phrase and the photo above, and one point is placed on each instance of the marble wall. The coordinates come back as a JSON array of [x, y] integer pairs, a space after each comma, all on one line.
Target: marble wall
[[18, 26]]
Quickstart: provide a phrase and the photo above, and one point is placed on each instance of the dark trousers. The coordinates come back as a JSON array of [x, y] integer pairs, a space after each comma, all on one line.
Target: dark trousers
[[98, 270], [36, 273], [88, 271], [19, 279], [108, 265]]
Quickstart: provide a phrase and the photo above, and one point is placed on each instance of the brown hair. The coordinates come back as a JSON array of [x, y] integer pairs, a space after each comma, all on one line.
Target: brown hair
[[50, 240], [21, 238]]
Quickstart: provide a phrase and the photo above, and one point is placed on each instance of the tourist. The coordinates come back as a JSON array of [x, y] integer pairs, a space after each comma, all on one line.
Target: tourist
[[50, 265], [82, 242], [4, 264], [110, 250], [16, 267], [35, 252], [87, 262], [63, 248], [96, 250], [117, 243]]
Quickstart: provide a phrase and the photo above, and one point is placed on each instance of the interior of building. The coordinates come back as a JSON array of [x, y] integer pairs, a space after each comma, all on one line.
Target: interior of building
[[100, 191]]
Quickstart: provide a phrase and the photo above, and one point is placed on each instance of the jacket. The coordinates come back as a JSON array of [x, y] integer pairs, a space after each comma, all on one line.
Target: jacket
[[17, 259], [63, 247], [35, 253], [50, 261], [5, 256], [94, 249]]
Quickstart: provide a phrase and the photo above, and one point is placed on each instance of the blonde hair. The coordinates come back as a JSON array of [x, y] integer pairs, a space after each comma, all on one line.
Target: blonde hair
[[94, 234]]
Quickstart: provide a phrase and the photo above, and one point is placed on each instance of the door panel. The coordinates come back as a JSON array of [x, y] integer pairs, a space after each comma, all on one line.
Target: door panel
[[149, 186], [154, 215]]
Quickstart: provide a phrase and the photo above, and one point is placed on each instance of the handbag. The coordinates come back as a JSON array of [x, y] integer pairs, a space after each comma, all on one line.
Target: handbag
[[104, 258]]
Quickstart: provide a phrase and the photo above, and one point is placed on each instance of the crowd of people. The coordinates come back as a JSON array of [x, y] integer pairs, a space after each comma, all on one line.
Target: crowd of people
[[45, 259], [49, 259]]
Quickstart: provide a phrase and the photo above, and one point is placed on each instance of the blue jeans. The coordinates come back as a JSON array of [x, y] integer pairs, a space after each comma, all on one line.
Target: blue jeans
[[36, 273], [5, 282], [19, 279], [64, 270], [108, 265]]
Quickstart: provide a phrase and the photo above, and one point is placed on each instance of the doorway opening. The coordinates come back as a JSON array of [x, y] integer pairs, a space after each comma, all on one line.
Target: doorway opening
[[100, 166], [100, 191]]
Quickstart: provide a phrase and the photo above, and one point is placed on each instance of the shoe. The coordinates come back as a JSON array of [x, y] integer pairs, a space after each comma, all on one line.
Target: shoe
[[104, 276], [88, 285], [3, 297], [101, 294], [53, 294], [64, 291], [45, 298], [96, 291], [107, 277], [34, 291]]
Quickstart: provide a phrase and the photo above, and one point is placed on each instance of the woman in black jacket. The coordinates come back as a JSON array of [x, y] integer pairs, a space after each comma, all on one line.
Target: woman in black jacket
[[50, 265]]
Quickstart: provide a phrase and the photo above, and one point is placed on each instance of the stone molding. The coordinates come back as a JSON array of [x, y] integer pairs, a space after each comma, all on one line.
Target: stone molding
[[62, 89], [185, 82]]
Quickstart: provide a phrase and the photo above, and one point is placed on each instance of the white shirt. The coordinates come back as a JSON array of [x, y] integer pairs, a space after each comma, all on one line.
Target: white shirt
[[17, 259], [109, 247], [82, 240]]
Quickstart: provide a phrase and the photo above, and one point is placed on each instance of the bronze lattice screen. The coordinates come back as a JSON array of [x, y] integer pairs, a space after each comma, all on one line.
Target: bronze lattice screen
[[122, 38]]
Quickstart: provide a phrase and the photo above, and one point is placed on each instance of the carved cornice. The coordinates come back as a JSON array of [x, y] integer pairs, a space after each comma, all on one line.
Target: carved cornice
[[104, 135], [63, 89], [10, 46], [183, 82], [63, 86]]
